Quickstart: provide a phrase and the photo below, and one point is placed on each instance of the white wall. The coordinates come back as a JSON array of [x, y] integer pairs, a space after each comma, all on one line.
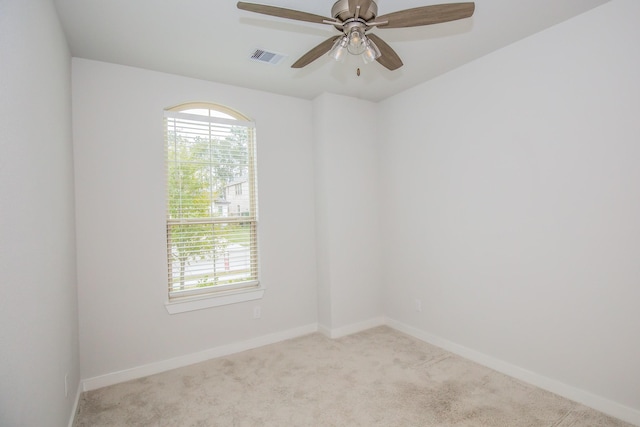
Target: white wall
[[38, 302], [347, 223], [119, 163], [511, 205]]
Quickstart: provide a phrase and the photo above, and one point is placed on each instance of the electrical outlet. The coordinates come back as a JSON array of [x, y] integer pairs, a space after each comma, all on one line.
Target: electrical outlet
[[256, 312], [418, 305], [66, 385]]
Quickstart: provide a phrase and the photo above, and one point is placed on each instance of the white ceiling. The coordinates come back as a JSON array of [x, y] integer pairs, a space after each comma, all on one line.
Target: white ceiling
[[212, 40]]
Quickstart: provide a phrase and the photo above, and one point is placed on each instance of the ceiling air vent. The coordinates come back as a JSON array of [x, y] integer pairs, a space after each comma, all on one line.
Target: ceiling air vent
[[266, 57]]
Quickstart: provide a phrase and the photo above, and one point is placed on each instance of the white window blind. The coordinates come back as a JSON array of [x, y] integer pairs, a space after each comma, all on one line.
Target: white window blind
[[212, 243]]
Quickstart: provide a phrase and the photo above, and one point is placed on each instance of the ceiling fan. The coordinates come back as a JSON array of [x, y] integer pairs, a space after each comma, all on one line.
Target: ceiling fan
[[354, 18]]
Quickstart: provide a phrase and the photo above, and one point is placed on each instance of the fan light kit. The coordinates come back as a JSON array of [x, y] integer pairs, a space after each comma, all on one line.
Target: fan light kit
[[355, 18]]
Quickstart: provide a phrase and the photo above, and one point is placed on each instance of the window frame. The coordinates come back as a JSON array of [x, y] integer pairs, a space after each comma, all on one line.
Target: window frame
[[216, 295]]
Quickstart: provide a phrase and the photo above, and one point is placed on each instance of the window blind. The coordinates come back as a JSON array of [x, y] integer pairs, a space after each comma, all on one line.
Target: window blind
[[212, 221]]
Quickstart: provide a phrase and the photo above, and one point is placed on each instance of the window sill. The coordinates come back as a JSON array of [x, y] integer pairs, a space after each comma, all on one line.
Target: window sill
[[213, 300]]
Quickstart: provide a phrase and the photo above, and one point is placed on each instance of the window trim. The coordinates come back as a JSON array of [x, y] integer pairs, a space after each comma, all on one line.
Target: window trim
[[213, 300], [230, 293]]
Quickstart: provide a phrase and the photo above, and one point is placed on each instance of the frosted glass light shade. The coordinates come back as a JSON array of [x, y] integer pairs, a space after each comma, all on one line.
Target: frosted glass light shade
[[339, 49], [371, 52], [356, 41]]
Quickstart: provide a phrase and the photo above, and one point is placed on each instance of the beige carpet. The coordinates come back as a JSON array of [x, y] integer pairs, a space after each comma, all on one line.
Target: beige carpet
[[379, 377]]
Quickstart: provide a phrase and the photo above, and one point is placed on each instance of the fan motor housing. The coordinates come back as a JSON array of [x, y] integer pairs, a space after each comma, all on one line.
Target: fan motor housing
[[340, 10]]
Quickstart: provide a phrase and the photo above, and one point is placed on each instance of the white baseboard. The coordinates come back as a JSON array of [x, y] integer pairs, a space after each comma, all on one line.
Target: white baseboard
[[72, 419], [352, 329], [324, 331], [189, 359], [599, 403]]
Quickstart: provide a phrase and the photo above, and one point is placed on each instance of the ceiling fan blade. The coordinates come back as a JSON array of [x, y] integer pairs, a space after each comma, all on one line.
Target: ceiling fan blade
[[427, 15], [281, 12], [388, 57], [315, 53]]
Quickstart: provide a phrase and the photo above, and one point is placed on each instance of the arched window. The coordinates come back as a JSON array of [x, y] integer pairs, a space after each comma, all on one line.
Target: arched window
[[212, 248]]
